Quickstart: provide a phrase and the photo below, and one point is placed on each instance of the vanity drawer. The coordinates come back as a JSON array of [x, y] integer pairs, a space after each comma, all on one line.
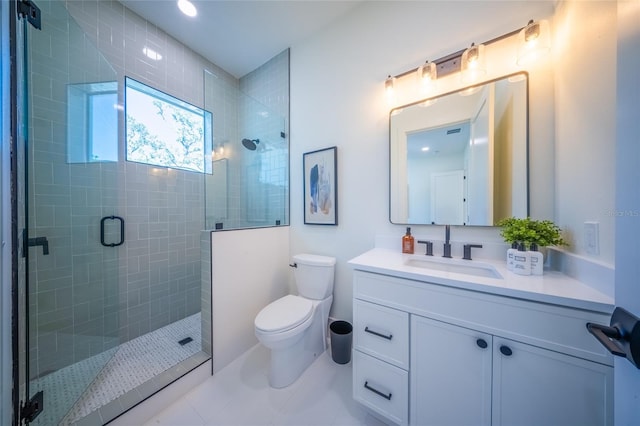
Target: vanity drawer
[[381, 387], [382, 332]]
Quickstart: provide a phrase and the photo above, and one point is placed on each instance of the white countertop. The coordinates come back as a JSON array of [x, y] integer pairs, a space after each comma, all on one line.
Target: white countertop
[[552, 287]]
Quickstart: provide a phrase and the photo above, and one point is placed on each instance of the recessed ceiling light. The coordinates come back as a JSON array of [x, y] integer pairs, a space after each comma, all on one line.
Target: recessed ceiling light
[[187, 8], [151, 54], [425, 148]]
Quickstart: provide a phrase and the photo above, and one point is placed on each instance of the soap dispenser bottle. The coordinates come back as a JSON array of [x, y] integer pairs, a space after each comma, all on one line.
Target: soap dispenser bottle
[[408, 242], [510, 253], [522, 261], [537, 260]]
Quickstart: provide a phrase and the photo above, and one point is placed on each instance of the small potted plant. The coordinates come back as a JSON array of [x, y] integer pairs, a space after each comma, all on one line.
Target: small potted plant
[[536, 233], [528, 234], [546, 233], [516, 230]]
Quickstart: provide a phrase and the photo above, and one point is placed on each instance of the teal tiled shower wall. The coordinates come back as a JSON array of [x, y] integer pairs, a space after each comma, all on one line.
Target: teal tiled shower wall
[[89, 298]]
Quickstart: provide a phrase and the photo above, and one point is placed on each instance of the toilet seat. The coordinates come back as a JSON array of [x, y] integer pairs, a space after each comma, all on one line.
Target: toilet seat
[[284, 314]]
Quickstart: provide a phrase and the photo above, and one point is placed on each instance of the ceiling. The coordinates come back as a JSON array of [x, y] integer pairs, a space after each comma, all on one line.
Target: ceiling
[[451, 139], [241, 35]]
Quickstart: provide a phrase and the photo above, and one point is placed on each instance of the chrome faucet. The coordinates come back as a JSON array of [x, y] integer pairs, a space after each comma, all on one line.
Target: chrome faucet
[[447, 244]]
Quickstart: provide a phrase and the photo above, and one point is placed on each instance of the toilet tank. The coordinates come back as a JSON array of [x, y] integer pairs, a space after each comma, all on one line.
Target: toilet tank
[[314, 275]]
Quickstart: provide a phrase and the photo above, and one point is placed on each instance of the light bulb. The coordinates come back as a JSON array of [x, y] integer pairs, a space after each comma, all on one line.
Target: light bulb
[[388, 85], [533, 42], [389, 90], [427, 75], [472, 64]]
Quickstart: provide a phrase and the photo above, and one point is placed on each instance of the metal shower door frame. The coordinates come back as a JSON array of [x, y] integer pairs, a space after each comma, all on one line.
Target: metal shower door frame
[[29, 399]]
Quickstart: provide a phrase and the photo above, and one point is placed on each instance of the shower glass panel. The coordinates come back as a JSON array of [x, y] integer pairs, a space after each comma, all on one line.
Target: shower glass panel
[[112, 277], [70, 183], [248, 187]]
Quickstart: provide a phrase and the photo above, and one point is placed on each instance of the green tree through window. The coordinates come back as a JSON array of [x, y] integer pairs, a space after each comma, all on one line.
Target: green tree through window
[[165, 131]]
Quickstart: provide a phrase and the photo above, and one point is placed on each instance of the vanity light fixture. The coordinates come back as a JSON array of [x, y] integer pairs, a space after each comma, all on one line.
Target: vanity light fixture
[[533, 42], [428, 74], [187, 8], [388, 85], [473, 64], [389, 89]]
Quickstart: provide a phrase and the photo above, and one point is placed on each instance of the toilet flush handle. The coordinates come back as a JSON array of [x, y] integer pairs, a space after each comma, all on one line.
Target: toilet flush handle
[[293, 265]]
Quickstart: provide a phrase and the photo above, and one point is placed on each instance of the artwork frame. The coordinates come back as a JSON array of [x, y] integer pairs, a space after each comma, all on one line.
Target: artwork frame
[[320, 177]]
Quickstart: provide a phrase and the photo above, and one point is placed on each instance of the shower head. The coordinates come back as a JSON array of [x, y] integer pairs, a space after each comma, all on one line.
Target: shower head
[[250, 144]]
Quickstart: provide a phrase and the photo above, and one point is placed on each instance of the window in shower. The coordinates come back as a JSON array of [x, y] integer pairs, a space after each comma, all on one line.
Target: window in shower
[[92, 110], [165, 131]]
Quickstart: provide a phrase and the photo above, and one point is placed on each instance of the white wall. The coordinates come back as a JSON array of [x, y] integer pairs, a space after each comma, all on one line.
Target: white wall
[[585, 120], [250, 269], [337, 98]]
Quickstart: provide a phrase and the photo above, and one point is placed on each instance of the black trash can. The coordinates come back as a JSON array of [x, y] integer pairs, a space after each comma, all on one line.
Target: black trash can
[[341, 337]]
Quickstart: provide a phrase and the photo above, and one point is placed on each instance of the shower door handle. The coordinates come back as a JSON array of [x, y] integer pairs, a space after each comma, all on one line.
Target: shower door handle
[[102, 222], [33, 242]]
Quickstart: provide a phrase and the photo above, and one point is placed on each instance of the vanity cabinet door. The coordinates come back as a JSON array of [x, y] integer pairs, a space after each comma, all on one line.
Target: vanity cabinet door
[[450, 374], [534, 386]]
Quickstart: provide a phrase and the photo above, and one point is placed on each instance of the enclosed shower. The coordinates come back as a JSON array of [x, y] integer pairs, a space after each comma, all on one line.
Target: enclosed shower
[[115, 210]]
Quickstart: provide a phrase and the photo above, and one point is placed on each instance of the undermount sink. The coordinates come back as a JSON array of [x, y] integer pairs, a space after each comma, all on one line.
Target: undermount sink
[[467, 267]]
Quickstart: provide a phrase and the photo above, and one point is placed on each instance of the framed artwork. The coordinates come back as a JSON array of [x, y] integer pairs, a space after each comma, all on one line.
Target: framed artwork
[[321, 186]]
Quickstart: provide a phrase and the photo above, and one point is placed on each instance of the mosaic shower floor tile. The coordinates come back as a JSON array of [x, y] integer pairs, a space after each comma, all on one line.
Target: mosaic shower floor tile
[[120, 370]]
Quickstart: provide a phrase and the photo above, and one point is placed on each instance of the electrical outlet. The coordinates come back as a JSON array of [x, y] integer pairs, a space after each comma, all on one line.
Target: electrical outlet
[[591, 239]]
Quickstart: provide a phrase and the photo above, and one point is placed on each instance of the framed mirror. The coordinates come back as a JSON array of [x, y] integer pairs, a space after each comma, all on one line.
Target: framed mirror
[[461, 158]]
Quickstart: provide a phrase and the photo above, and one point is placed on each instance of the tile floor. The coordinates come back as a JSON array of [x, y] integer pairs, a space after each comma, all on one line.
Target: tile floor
[[240, 395]]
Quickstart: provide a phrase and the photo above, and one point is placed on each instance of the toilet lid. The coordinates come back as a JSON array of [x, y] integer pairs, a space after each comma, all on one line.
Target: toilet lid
[[284, 313]]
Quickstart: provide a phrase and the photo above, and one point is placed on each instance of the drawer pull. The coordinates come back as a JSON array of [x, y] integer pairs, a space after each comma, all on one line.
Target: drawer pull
[[482, 343], [377, 392], [375, 333]]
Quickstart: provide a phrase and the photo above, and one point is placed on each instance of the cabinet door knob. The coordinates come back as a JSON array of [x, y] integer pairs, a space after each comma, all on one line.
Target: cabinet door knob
[[482, 343], [506, 350]]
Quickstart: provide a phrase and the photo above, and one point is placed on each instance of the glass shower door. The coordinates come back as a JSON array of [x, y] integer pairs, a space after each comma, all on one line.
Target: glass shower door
[[71, 227]]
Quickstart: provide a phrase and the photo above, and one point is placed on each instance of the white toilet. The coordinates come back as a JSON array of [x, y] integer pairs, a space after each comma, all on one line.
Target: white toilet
[[295, 327]]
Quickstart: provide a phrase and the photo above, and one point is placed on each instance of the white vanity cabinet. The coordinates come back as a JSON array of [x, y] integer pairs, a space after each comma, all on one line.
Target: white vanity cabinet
[[480, 379], [476, 358]]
